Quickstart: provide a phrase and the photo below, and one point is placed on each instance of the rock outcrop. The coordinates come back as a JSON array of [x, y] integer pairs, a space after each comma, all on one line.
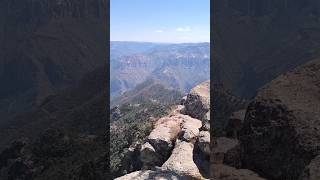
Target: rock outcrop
[[204, 142], [256, 42], [280, 134], [181, 161], [165, 133], [176, 146], [190, 129], [149, 156], [197, 103]]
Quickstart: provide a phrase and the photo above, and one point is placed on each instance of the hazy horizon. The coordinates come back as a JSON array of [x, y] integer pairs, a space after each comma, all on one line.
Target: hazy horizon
[[160, 21]]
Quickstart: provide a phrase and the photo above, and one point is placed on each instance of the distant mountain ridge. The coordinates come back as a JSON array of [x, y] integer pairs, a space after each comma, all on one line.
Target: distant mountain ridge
[[182, 66], [150, 90]]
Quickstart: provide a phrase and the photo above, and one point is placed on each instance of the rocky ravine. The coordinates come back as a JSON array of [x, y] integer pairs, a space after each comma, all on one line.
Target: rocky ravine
[[179, 145]]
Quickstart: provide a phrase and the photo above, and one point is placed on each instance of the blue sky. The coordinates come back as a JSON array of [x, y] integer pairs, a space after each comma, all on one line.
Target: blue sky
[[173, 21]]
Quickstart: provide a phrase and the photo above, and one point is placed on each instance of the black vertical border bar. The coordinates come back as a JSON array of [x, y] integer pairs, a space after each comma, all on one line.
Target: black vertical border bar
[[106, 22], [211, 82]]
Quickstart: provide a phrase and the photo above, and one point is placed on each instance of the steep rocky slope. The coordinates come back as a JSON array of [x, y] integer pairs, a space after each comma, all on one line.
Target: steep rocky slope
[[257, 40], [53, 95], [178, 146], [63, 138], [47, 45], [280, 134], [131, 120]]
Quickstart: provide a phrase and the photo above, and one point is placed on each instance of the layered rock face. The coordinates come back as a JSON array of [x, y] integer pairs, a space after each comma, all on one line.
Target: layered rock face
[[174, 64], [280, 134], [177, 147]]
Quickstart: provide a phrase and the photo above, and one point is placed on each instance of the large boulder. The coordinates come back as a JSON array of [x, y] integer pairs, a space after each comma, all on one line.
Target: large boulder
[[149, 156], [181, 161], [163, 136], [190, 128], [281, 131], [226, 151], [131, 160], [197, 103]]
